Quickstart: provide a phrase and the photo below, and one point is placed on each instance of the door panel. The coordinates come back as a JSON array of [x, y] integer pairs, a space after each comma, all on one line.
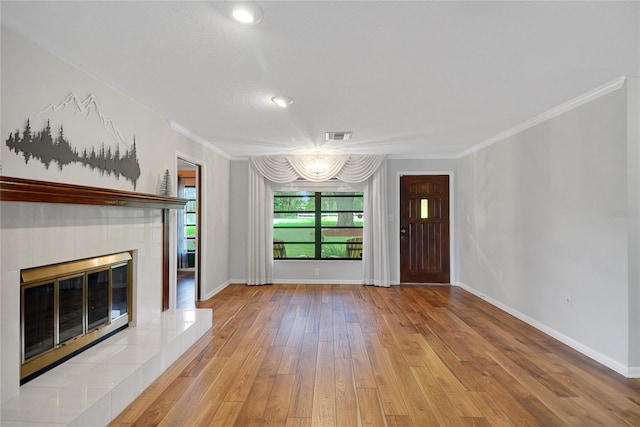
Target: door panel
[[424, 228]]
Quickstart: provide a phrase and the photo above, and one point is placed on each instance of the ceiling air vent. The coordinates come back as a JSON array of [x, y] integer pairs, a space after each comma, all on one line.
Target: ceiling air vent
[[338, 136]]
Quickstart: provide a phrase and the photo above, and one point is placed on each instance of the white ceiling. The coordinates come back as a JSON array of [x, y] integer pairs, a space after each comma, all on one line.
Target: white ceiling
[[408, 78]]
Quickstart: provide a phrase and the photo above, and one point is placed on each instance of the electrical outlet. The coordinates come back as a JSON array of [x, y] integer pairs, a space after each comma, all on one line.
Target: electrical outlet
[[316, 272], [568, 300]]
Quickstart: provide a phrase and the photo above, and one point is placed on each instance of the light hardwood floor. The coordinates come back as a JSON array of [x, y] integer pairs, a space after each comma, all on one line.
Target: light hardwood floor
[[347, 355]]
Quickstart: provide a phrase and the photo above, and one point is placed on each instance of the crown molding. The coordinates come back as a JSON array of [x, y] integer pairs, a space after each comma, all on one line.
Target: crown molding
[[549, 114], [186, 132], [422, 157]]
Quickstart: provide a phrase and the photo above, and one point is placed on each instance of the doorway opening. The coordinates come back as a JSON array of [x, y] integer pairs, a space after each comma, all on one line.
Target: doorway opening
[[189, 235]]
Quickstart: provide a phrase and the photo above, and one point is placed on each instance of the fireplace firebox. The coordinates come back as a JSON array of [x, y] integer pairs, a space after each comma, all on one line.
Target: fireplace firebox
[[67, 307]]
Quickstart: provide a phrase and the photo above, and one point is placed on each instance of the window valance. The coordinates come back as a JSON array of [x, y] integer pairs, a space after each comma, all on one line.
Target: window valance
[[351, 168]]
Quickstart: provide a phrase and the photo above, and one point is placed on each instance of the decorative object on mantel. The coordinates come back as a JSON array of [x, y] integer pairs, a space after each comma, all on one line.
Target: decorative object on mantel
[[165, 187], [45, 147]]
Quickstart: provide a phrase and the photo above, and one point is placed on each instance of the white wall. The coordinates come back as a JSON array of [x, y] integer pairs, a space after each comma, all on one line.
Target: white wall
[[34, 234], [238, 205], [633, 216], [539, 222]]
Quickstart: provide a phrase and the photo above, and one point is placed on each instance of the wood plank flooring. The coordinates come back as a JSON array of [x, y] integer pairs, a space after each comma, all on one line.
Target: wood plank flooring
[[347, 355], [186, 289]]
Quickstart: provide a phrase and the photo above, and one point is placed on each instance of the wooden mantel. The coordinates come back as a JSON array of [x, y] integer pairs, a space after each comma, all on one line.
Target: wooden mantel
[[30, 190]]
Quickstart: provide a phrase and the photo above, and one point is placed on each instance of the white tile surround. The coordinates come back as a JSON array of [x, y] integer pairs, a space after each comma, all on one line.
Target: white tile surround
[[95, 386], [36, 234]]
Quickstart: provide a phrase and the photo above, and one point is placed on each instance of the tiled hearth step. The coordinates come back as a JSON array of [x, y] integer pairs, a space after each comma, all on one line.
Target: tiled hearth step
[[96, 385]]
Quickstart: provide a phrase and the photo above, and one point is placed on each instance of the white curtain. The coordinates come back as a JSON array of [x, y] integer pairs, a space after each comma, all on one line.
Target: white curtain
[[260, 257], [265, 170], [375, 245], [182, 243]]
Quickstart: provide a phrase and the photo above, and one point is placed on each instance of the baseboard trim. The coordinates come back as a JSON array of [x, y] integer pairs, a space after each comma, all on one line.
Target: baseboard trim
[[629, 372], [217, 289], [634, 372]]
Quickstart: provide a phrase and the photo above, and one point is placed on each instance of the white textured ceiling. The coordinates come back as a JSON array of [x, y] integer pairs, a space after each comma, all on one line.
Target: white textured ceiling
[[408, 78]]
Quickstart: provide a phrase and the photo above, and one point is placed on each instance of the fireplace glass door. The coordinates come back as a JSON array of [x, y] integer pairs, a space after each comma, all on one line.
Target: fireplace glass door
[[97, 299], [70, 318], [66, 307], [38, 322], [119, 281]]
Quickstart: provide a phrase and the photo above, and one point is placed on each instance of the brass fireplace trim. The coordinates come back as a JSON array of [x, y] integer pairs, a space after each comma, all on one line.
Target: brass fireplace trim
[[48, 272], [30, 368], [44, 360]]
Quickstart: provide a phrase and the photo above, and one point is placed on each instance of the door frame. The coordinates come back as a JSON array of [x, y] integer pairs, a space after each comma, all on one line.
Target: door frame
[[200, 230], [452, 240]]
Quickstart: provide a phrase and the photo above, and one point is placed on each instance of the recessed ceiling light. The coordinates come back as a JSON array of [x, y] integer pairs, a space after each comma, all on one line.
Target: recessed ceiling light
[[246, 12], [282, 101]]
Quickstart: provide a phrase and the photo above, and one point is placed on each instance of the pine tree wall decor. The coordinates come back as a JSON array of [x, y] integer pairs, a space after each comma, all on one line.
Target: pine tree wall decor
[[42, 145]]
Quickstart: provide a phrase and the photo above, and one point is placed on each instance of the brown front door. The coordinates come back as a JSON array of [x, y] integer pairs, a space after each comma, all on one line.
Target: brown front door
[[424, 228]]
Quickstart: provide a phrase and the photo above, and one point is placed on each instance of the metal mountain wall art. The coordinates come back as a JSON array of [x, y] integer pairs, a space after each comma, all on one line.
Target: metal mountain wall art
[[42, 145]]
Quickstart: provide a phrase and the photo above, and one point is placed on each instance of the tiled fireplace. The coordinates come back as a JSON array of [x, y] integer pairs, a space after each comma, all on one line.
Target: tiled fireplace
[[41, 234], [37, 234]]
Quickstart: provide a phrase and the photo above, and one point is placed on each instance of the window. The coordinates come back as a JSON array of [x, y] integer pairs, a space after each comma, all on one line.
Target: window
[[317, 225], [190, 219]]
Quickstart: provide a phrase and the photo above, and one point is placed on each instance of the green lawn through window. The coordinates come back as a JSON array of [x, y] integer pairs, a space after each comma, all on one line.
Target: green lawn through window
[[286, 229]]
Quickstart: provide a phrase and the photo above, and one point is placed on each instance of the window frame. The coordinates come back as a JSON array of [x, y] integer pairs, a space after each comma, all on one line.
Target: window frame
[[186, 212], [318, 228]]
